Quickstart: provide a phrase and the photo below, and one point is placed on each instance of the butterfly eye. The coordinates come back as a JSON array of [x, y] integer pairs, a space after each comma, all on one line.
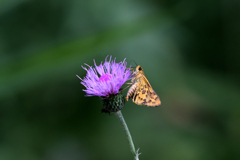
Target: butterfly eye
[[140, 68]]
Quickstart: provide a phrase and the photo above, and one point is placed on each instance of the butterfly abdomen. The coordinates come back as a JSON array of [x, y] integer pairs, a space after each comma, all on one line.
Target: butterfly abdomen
[[131, 91]]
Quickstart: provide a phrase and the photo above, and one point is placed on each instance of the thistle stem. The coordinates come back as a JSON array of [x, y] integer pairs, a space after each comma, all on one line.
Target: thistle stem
[[126, 130]]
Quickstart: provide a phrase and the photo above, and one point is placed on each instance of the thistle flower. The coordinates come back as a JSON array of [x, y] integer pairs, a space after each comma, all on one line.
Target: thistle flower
[[106, 81]]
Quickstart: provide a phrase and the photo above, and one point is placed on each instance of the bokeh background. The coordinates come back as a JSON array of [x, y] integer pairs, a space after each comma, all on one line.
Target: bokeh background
[[189, 51]]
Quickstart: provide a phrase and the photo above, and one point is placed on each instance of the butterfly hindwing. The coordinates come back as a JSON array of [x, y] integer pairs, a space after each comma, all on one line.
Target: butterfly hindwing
[[140, 94], [145, 95]]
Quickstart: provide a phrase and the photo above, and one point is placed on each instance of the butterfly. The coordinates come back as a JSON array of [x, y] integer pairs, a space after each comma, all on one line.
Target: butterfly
[[141, 91]]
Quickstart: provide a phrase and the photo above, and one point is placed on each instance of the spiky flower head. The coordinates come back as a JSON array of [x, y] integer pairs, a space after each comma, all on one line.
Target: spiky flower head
[[106, 81]]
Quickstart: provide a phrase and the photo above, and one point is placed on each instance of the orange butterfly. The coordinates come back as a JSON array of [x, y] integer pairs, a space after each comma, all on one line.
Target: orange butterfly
[[141, 91]]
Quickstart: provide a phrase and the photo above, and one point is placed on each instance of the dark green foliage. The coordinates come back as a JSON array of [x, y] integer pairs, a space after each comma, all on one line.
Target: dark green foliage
[[190, 54]]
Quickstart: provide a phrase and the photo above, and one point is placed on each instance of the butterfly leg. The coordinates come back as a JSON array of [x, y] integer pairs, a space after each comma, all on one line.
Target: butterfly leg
[[131, 69], [127, 86]]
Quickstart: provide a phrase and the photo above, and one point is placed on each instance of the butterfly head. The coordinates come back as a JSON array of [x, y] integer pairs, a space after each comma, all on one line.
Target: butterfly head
[[139, 68], [139, 72]]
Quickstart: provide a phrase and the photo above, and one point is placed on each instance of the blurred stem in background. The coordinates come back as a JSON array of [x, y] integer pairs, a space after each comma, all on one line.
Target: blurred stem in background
[[127, 132]]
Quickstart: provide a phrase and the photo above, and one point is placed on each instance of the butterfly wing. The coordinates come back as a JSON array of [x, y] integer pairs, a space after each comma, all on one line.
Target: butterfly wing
[[145, 95]]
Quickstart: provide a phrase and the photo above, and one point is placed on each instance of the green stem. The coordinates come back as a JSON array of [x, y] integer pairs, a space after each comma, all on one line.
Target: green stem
[[126, 130]]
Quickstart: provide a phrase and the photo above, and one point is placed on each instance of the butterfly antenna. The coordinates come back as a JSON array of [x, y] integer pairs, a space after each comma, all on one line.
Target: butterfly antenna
[[134, 62]]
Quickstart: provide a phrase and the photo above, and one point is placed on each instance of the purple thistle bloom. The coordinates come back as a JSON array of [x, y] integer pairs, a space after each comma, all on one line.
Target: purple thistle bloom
[[106, 79]]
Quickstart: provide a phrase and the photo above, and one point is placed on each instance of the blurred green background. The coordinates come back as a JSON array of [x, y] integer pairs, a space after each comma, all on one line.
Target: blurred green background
[[189, 51]]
